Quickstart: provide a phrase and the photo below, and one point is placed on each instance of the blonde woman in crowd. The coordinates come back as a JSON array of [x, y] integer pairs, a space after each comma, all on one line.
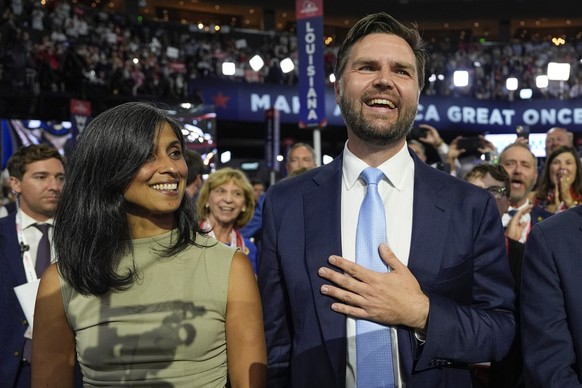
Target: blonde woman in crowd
[[226, 204]]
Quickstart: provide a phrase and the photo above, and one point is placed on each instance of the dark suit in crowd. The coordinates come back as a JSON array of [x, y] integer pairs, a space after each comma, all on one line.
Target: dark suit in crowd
[[551, 312]]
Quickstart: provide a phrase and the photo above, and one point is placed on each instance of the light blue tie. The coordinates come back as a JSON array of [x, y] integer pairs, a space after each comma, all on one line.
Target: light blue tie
[[373, 344]]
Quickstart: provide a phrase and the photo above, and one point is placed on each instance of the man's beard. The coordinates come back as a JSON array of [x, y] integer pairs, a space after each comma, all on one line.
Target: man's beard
[[380, 136], [514, 198]]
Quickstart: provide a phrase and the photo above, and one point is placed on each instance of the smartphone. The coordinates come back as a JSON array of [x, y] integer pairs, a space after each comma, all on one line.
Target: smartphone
[[471, 145], [418, 132], [522, 131]]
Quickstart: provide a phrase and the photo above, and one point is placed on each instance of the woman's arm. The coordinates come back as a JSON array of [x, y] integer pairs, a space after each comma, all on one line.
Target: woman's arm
[[53, 345], [245, 337]]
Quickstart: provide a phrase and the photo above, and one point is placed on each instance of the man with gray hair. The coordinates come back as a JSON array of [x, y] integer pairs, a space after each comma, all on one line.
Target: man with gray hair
[[521, 165], [300, 156], [556, 137]]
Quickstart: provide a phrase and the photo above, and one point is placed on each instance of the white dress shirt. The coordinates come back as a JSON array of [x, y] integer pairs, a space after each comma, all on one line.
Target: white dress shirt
[[397, 192], [32, 235]]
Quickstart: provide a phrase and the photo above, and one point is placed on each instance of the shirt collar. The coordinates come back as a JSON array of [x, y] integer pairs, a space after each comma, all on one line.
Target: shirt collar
[[526, 203], [394, 168], [29, 221]]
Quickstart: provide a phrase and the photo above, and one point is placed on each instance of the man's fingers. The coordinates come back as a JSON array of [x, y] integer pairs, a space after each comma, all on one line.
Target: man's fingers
[[389, 257]]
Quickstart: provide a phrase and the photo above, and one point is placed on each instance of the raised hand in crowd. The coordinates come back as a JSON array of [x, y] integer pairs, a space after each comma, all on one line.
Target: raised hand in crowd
[[516, 226], [486, 146], [562, 190], [454, 153], [432, 136], [522, 140]]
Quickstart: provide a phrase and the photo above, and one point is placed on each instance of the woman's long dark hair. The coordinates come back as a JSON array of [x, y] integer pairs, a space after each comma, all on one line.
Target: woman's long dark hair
[[92, 231]]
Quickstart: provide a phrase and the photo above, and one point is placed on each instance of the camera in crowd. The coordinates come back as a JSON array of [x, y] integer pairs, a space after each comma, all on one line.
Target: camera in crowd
[[471, 145], [522, 131], [417, 133]]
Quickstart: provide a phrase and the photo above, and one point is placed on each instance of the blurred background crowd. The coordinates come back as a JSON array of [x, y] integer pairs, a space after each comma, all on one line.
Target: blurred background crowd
[[70, 48]]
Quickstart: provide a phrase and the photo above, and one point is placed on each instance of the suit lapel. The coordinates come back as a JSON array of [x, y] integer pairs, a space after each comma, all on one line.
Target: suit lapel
[[538, 215], [10, 250], [322, 209], [430, 215]]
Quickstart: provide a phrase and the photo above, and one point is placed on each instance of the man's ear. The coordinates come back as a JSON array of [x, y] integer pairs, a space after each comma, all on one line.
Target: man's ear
[[15, 184], [337, 91]]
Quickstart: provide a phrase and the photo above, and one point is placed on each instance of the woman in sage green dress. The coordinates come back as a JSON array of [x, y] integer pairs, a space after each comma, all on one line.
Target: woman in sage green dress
[[140, 295]]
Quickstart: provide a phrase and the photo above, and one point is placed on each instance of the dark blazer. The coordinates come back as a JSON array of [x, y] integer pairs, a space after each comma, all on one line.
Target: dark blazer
[[457, 255], [538, 214], [551, 311], [508, 373], [13, 323]]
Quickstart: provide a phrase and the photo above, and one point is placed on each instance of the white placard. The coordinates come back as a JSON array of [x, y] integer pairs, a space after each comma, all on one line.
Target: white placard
[[26, 294]]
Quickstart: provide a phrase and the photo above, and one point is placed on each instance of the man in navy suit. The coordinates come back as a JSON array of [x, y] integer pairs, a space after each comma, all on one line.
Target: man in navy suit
[[551, 312], [36, 177], [447, 301]]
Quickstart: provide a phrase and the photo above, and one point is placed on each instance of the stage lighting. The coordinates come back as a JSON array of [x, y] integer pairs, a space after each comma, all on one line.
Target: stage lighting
[[542, 81], [525, 93], [558, 71], [228, 68], [256, 62], [511, 83], [461, 78], [287, 65], [225, 157]]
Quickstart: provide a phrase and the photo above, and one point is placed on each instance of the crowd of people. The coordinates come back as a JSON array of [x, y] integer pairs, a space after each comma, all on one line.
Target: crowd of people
[[375, 270], [556, 185], [59, 47], [527, 190]]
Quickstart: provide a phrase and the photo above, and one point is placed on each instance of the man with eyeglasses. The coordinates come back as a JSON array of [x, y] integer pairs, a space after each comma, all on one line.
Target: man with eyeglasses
[[493, 179]]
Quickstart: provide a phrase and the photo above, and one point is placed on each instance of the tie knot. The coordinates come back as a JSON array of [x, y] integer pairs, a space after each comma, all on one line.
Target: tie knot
[[43, 228], [372, 175]]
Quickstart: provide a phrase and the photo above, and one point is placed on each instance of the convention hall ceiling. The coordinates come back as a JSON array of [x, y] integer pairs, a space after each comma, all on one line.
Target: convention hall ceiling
[[484, 17]]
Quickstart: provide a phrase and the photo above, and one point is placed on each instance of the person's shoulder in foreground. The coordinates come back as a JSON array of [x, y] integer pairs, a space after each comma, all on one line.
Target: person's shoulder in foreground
[[551, 312]]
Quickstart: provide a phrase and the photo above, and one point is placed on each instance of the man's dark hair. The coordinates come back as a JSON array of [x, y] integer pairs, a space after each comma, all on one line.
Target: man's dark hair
[[195, 165], [24, 156], [257, 181], [496, 171], [383, 23]]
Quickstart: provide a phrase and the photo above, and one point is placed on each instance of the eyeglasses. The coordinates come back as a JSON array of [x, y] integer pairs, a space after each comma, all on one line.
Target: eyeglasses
[[498, 192]]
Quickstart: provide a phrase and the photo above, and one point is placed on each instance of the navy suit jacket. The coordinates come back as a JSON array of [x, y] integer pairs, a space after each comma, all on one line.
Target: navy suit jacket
[[13, 323], [551, 311], [538, 214], [457, 255]]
